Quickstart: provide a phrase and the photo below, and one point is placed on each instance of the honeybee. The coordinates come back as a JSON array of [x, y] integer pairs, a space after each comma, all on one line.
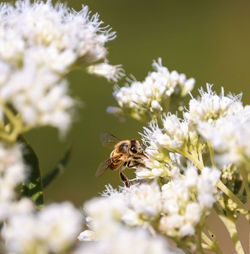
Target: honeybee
[[126, 154]]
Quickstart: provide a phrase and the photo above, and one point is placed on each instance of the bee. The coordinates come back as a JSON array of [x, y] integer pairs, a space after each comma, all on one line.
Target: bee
[[126, 154]]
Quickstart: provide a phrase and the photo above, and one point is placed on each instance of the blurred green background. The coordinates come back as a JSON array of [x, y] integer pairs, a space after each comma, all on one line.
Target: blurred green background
[[207, 40]]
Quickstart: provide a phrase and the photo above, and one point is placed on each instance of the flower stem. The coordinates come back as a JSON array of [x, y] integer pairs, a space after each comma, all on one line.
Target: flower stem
[[192, 158], [245, 181], [230, 194], [211, 245], [211, 151], [200, 240], [214, 240]]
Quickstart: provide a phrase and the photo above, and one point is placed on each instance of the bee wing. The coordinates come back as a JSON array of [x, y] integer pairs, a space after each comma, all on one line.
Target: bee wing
[[103, 166], [108, 139]]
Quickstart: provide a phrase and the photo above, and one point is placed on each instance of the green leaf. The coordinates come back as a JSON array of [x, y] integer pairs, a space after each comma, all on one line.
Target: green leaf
[[32, 188], [58, 169]]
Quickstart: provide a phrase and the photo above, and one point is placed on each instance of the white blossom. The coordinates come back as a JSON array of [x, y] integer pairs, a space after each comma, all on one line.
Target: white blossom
[[12, 173], [86, 235], [179, 203], [39, 44], [57, 31], [138, 205], [174, 134], [210, 106], [229, 137], [52, 230], [152, 169], [144, 200], [136, 241], [185, 199], [104, 214], [110, 72], [140, 99], [163, 145]]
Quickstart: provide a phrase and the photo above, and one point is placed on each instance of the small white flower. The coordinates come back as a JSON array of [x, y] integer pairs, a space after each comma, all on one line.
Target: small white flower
[[110, 72], [139, 99], [187, 229], [39, 44], [193, 213], [155, 105], [145, 199], [185, 199], [172, 222], [128, 241], [86, 235], [53, 229], [210, 106], [163, 143], [105, 213], [231, 143], [12, 173]]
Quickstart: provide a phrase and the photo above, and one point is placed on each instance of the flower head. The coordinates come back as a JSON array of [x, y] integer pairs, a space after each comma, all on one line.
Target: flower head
[[210, 106], [12, 173], [231, 143], [51, 230], [39, 44], [141, 100], [185, 199], [128, 241]]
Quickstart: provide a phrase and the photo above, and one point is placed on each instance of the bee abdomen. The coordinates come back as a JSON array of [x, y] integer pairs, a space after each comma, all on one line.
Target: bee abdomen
[[115, 164]]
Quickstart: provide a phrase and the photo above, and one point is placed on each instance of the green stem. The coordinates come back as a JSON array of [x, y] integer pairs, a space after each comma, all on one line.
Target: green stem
[[220, 184], [245, 181], [211, 151], [246, 161], [12, 118], [200, 240], [183, 246], [206, 239], [167, 159], [214, 240], [200, 148], [230, 224], [211, 245], [230, 194], [4, 136], [192, 158]]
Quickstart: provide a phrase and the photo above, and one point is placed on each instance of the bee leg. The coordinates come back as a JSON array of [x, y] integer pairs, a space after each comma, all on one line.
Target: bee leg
[[124, 178], [134, 164]]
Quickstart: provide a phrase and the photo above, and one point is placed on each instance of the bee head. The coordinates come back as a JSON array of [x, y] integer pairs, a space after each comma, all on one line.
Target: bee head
[[135, 147]]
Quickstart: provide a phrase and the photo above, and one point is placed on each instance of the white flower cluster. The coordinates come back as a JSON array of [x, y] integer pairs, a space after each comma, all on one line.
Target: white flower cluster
[[176, 133], [144, 204], [12, 174], [162, 143], [39, 44], [175, 209], [128, 241], [223, 121], [186, 199], [140, 99], [52, 230], [136, 206], [229, 137], [103, 215], [210, 106]]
